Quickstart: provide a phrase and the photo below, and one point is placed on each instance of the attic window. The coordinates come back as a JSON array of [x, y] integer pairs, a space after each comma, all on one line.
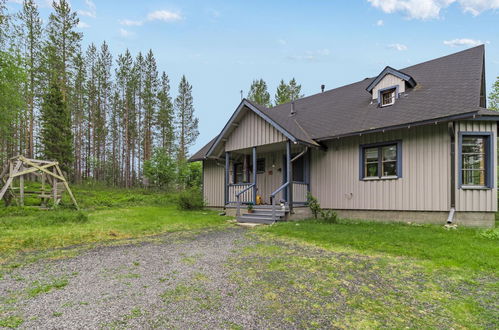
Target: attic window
[[387, 97]]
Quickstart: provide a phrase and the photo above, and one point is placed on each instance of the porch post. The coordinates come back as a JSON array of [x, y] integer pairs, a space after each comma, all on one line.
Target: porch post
[[254, 175], [227, 164], [290, 176]]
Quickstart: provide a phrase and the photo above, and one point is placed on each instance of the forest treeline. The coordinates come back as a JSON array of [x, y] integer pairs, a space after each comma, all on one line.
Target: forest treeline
[[105, 118]]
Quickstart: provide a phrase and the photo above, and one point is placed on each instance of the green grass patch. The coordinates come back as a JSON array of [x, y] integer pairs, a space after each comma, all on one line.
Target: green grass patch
[[109, 214], [464, 248], [38, 288], [11, 322]]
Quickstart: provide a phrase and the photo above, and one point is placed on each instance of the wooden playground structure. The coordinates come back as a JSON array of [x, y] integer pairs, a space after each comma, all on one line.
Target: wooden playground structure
[[53, 182]]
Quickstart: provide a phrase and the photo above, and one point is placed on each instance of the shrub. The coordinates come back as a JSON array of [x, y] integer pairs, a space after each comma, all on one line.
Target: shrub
[[329, 216], [314, 205], [190, 199]]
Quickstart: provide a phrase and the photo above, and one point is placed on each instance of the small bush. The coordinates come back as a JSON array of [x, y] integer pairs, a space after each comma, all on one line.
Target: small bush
[[329, 216], [314, 205], [190, 199]]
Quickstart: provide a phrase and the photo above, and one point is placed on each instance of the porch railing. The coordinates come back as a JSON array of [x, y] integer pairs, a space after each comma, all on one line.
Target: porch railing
[[244, 193], [300, 190], [272, 197], [237, 188]]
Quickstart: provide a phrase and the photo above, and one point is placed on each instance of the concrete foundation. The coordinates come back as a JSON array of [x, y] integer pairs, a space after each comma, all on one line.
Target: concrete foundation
[[471, 219]]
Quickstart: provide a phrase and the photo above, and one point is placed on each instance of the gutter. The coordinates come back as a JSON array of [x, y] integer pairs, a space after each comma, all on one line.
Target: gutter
[[468, 115]]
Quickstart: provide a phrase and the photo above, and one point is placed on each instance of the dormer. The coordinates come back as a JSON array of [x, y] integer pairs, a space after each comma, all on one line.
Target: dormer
[[388, 85]]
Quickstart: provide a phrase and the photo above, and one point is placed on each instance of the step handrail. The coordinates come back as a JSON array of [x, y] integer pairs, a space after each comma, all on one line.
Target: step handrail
[[272, 196], [238, 212]]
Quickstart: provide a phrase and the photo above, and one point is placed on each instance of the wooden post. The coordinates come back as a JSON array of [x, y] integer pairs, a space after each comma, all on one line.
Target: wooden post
[[9, 180], [254, 175], [54, 187], [227, 164], [289, 171], [21, 188]]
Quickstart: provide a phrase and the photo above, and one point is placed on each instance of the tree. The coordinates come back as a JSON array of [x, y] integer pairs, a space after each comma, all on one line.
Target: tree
[[79, 101], [283, 93], [30, 33], [63, 42], [161, 170], [294, 90], [57, 137], [187, 123], [494, 96], [149, 97], [164, 119], [258, 93], [12, 78]]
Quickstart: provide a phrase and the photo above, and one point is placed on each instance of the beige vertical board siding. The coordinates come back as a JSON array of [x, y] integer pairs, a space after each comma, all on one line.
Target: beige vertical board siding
[[477, 199], [388, 81], [213, 183], [425, 181], [252, 131], [267, 183]]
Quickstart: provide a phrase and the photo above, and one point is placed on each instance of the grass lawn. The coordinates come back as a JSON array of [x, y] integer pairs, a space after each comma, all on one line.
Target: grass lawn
[[107, 214], [370, 275], [466, 249]]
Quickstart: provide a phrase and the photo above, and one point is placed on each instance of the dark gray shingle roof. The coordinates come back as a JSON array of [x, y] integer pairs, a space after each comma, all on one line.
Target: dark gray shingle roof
[[447, 86]]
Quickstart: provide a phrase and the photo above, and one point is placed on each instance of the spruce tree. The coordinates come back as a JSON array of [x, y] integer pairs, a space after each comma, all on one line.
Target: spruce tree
[[294, 90], [283, 93], [187, 123], [164, 120], [56, 134], [494, 96], [258, 93]]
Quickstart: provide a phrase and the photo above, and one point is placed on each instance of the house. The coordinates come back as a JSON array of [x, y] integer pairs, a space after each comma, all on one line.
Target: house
[[414, 145]]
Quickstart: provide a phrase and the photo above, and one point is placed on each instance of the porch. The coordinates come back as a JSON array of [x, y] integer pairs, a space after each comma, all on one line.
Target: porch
[[273, 178]]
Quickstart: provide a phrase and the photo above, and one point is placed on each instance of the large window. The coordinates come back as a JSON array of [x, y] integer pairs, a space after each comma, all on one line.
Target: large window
[[475, 160], [381, 161]]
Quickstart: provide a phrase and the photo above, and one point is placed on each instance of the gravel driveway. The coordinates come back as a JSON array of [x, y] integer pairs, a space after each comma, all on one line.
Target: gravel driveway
[[234, 279], [169, 283]]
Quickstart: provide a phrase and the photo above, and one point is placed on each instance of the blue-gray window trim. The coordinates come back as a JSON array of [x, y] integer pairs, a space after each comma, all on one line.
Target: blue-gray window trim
[[489, 159], [380, 91], [398, 143]]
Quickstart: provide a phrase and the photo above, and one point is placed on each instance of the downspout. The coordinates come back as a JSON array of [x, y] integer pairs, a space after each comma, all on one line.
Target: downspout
[[452, 133]]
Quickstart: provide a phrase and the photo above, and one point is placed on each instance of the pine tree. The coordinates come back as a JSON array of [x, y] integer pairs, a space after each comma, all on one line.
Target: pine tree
[[295, 90], [283, 93], [187, 123], [494, 96], [79, 101], [258, 93], [12, 78], [63, 41], [30, 32], [164, 119], [57, 138], [149, 97], [124, 84], [103, 71]]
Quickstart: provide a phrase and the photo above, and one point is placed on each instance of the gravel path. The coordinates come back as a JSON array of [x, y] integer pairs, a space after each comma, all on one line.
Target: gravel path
[[169, 283]]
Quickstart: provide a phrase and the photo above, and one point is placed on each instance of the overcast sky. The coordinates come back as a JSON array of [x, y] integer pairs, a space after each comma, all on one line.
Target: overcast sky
[[221, 46]]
